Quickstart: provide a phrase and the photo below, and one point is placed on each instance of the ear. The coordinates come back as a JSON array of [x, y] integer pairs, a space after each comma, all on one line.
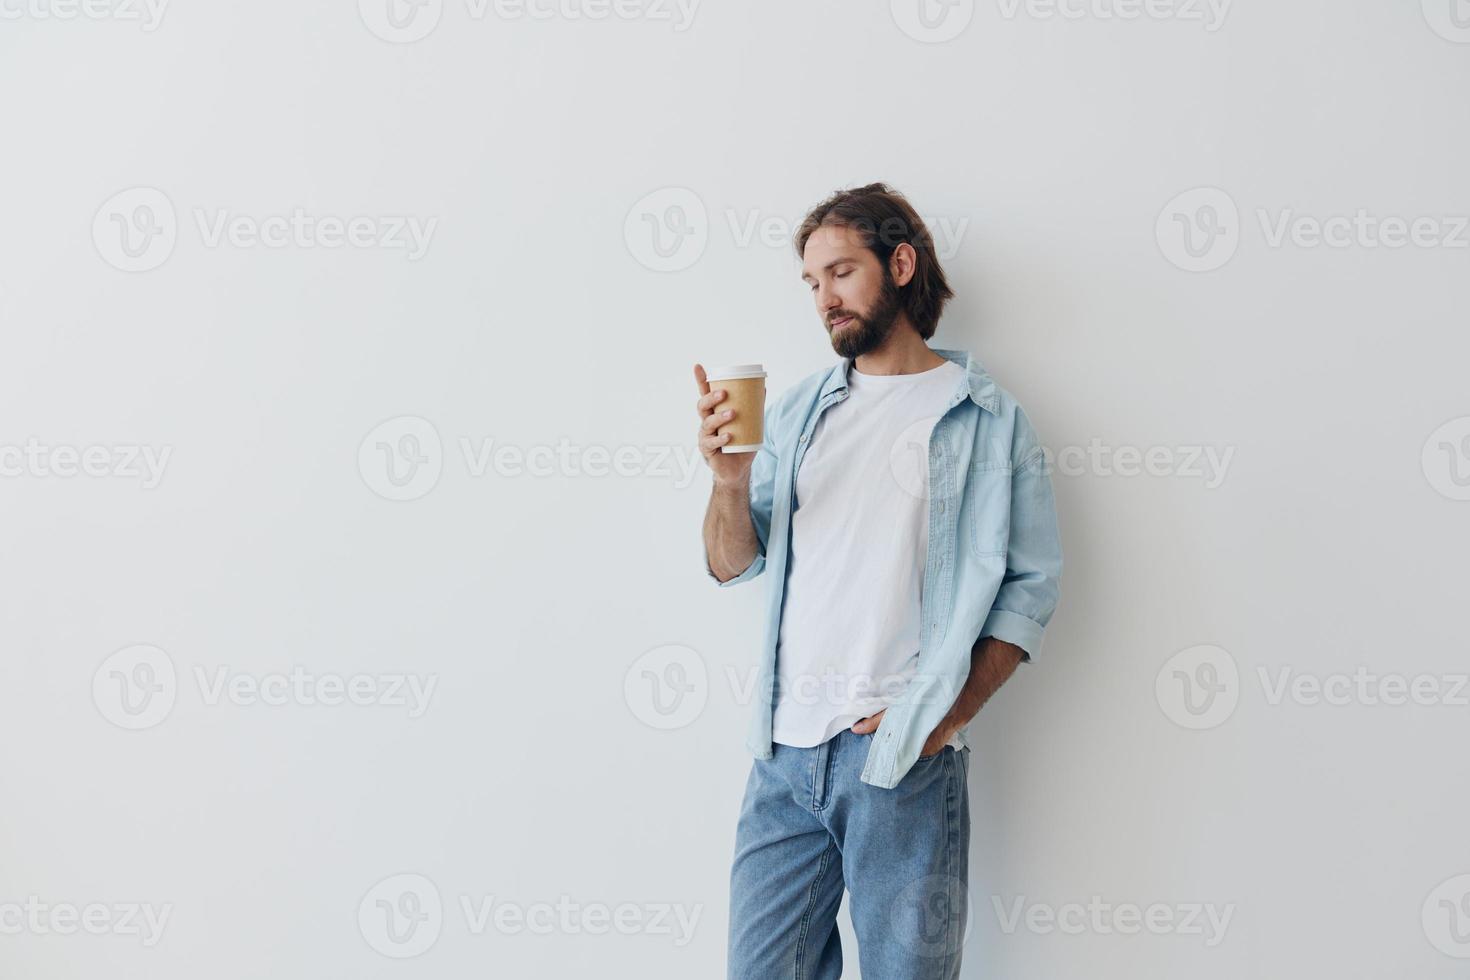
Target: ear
[[903, 263]]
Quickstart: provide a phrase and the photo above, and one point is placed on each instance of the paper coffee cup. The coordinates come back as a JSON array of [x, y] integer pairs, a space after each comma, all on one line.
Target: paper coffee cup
[[745, 393]]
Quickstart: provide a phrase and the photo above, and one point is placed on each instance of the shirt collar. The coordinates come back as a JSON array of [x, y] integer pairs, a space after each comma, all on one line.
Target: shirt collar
[[977, 385]]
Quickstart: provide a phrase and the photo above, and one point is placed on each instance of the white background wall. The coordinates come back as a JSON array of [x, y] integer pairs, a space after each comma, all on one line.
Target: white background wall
[[543, 315]]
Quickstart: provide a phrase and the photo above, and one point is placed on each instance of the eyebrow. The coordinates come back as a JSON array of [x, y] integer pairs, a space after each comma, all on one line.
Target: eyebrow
[[837, 261]]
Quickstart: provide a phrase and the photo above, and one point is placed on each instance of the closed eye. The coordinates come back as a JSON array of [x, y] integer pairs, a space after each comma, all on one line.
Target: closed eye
[[840, 275]]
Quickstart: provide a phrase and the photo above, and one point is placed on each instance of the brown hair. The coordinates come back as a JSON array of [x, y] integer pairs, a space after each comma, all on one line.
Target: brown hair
[[885, 220]]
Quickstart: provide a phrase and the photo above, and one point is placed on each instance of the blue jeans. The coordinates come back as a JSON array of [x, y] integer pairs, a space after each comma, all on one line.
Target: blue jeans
[[808, 826]]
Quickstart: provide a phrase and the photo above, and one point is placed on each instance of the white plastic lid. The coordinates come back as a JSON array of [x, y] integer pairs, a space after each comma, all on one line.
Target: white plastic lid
[[732, 372]]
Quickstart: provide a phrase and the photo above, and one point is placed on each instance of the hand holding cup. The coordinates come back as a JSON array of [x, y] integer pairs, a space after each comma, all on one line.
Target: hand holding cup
[[730, 410]]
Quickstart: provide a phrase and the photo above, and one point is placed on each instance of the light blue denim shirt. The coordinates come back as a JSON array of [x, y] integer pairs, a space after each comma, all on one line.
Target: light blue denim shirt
[[994, 563]]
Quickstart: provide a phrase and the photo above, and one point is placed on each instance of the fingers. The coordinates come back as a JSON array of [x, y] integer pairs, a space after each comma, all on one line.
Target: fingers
[[709, 399], [699, 379], [709, 445], [714, 420]]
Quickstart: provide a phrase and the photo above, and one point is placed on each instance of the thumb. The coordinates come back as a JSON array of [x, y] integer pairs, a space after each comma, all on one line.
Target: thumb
[[869, 724]]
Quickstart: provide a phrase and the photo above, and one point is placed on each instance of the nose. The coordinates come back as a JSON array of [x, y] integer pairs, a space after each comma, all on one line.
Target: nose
[[827, 300]]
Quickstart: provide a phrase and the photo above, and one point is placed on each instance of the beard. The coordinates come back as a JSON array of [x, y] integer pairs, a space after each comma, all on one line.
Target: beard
[[867, 333]]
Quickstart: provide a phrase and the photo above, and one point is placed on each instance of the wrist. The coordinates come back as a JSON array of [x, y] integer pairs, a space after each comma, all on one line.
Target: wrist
[[734, 487]]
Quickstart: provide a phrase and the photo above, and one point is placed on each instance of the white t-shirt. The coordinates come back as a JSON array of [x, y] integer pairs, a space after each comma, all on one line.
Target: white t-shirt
[[850, 627]]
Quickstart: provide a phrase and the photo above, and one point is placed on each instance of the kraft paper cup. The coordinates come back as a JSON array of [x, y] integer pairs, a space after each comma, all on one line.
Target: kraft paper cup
[[745, 392]]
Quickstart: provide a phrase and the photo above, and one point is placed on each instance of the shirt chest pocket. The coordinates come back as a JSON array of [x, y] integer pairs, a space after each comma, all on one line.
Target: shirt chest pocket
[[989, 499]]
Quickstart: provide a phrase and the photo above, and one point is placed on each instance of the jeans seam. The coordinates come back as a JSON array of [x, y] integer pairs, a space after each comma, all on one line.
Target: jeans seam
[[811, 901], [950, 829]]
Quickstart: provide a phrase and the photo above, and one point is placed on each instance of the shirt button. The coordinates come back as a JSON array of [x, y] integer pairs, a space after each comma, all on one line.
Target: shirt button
[[941, 507], [803, 438]]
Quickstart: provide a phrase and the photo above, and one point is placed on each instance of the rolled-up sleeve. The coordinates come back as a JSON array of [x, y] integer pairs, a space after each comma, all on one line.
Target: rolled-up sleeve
[[1028, 593], [762, 493]]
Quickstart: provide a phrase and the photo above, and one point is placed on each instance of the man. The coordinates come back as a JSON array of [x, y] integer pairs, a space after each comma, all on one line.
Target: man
[[902, 503]]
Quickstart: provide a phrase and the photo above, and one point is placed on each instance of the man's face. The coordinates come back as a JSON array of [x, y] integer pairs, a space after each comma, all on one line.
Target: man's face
[[856, 296]]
